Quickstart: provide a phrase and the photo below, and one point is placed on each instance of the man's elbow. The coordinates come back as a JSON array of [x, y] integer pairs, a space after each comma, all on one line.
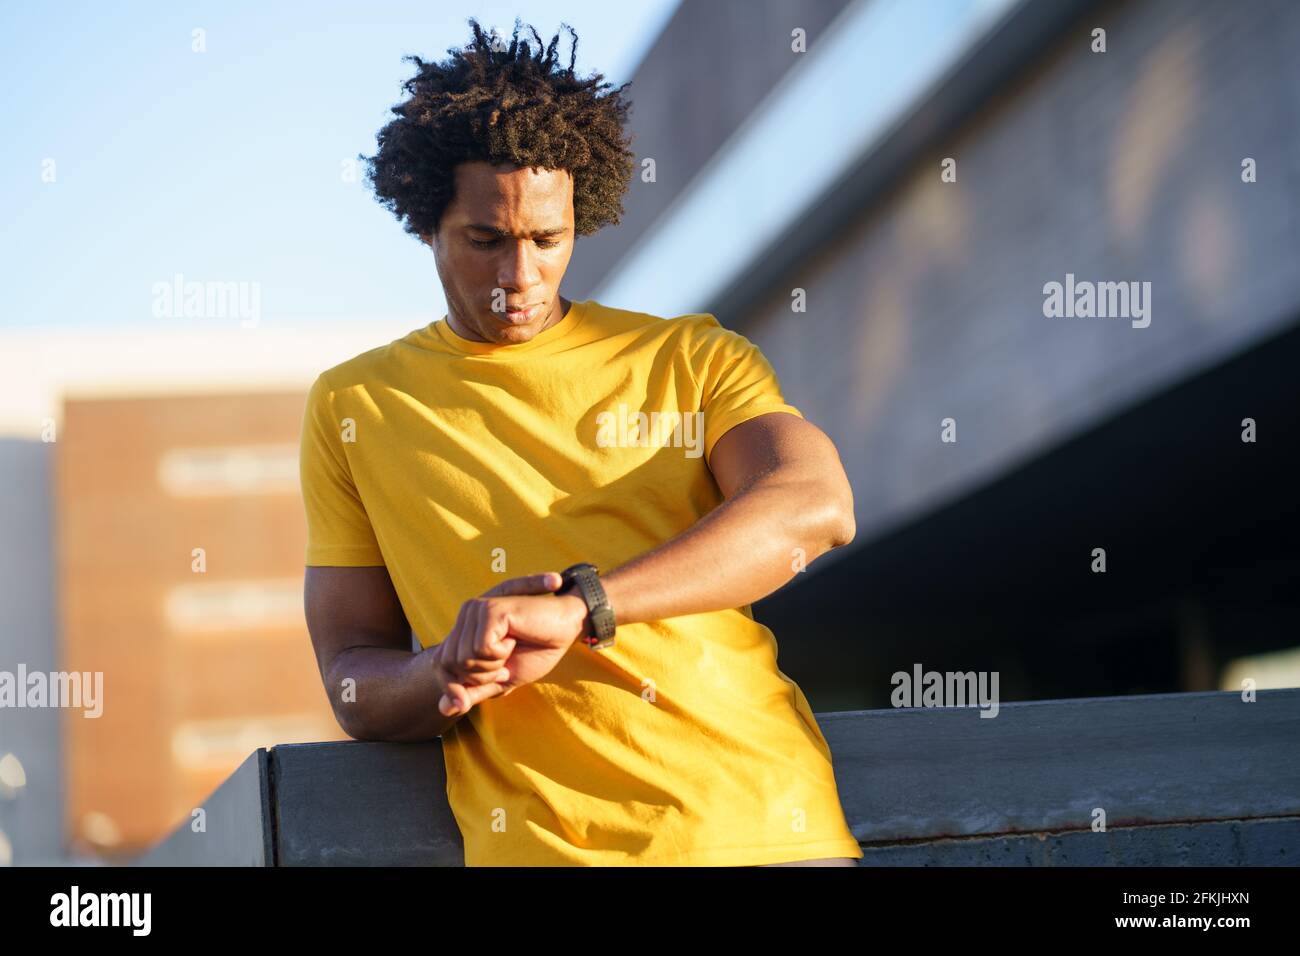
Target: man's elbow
[[351, 717], [351, 721], [844, 529], [840, 525]]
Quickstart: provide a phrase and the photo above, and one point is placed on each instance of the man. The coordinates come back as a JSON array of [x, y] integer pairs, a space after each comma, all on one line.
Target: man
[[525, 432]]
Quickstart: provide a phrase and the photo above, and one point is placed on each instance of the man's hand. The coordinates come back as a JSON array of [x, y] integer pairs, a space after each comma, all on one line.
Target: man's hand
[[514, 634]]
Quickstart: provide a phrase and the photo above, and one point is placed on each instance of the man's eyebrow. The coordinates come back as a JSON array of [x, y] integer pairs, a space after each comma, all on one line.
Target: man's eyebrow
[[503, 233]]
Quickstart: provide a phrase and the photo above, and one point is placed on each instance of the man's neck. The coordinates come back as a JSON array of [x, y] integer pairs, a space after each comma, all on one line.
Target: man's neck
[[560, 313]]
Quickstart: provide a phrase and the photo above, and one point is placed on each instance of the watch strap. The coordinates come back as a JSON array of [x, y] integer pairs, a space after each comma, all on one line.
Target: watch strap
[[584, 578]]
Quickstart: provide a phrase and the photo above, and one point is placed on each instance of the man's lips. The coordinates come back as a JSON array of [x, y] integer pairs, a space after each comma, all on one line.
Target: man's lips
[[526, 314]]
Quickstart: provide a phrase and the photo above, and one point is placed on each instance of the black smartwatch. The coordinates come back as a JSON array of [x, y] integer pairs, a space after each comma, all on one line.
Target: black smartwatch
[[599, 625]]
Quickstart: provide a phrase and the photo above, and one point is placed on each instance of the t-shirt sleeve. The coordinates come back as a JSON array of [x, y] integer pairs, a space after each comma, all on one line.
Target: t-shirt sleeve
[[736, 380], [339, 532]]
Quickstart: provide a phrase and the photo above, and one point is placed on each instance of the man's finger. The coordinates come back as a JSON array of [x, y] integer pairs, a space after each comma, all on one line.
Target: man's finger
[[456, 640], [459, 698], [459, 659], [477, 653], [543, 583], [477, 677], [490, 634]]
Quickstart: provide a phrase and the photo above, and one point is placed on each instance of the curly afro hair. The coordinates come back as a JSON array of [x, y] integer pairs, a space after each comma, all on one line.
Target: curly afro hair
[[502, 105]]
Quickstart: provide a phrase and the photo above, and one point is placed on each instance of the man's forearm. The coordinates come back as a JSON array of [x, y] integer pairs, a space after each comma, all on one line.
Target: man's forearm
[[739, 552], [394, 696]]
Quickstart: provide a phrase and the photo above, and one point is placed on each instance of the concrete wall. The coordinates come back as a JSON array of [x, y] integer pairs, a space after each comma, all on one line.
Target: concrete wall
[[1115, 166], [713, 63]]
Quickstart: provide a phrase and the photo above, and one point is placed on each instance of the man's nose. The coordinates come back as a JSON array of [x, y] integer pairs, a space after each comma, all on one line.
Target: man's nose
[[519, 267]]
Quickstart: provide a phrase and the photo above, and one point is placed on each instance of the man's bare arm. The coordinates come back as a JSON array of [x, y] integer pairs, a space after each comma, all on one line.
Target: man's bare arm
[[359, 631], [785, 489]]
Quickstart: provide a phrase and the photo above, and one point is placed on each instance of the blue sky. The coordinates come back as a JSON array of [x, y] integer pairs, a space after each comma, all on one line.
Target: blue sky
[[227, 165]]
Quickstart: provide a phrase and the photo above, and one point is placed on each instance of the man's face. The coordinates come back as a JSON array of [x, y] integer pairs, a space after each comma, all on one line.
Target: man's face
[[503, 244]]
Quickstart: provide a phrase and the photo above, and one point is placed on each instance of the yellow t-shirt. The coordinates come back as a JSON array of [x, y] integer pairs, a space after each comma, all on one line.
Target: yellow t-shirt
[[458, 464]]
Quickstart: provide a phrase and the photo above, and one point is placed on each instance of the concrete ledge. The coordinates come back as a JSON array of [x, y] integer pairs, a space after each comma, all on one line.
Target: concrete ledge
[[1264, 842], [1046, 765], [1183, 779], [236, 827], [354, 803]]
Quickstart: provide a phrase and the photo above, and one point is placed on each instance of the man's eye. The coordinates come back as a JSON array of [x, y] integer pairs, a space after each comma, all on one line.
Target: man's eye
[[488, 243]]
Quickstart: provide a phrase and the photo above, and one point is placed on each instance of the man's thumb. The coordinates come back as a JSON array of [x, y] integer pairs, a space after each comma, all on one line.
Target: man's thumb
[[543, 583]]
